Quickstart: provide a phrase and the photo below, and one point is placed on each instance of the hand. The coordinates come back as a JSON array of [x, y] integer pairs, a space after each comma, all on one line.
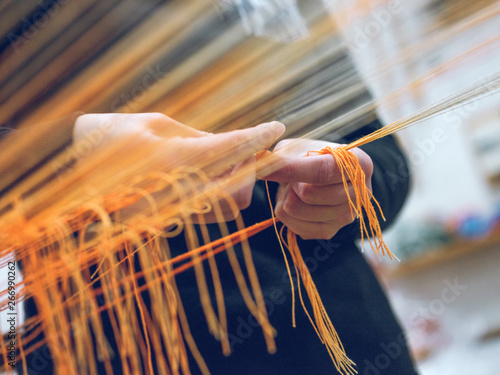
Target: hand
[[220, 156], [311, 200]]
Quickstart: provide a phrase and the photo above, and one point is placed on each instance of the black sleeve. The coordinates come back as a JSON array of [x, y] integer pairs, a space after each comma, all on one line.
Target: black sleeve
[[390, 180]]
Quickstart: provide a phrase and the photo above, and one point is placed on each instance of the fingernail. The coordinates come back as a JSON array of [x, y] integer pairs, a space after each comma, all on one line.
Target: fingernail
[[279, 128], [272, 130]]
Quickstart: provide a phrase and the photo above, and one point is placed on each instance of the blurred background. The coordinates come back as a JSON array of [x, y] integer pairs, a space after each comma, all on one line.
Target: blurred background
[[221, 65]]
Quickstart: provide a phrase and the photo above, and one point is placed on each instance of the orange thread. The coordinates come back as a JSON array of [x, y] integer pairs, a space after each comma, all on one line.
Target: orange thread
[[351, 170]]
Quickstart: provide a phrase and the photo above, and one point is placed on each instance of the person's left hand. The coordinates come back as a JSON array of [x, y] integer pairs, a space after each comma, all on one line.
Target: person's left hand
[[311, 199], [227, 159]]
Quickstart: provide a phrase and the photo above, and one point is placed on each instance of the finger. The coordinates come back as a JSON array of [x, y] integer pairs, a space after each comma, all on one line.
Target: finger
[[308, 230], [223, 150], [294, 207], [314, 169], [262, 154], [285, 152], [166, 127], [366, 164], [326, 195], [243, 176], [301, 146], [239, 184], [246, 142]]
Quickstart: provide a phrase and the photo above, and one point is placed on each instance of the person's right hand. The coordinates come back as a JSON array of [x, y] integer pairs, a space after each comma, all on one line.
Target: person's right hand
[[218, 155]]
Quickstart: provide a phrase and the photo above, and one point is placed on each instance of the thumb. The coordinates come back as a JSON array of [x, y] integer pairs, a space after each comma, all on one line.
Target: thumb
[[228, 149]]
